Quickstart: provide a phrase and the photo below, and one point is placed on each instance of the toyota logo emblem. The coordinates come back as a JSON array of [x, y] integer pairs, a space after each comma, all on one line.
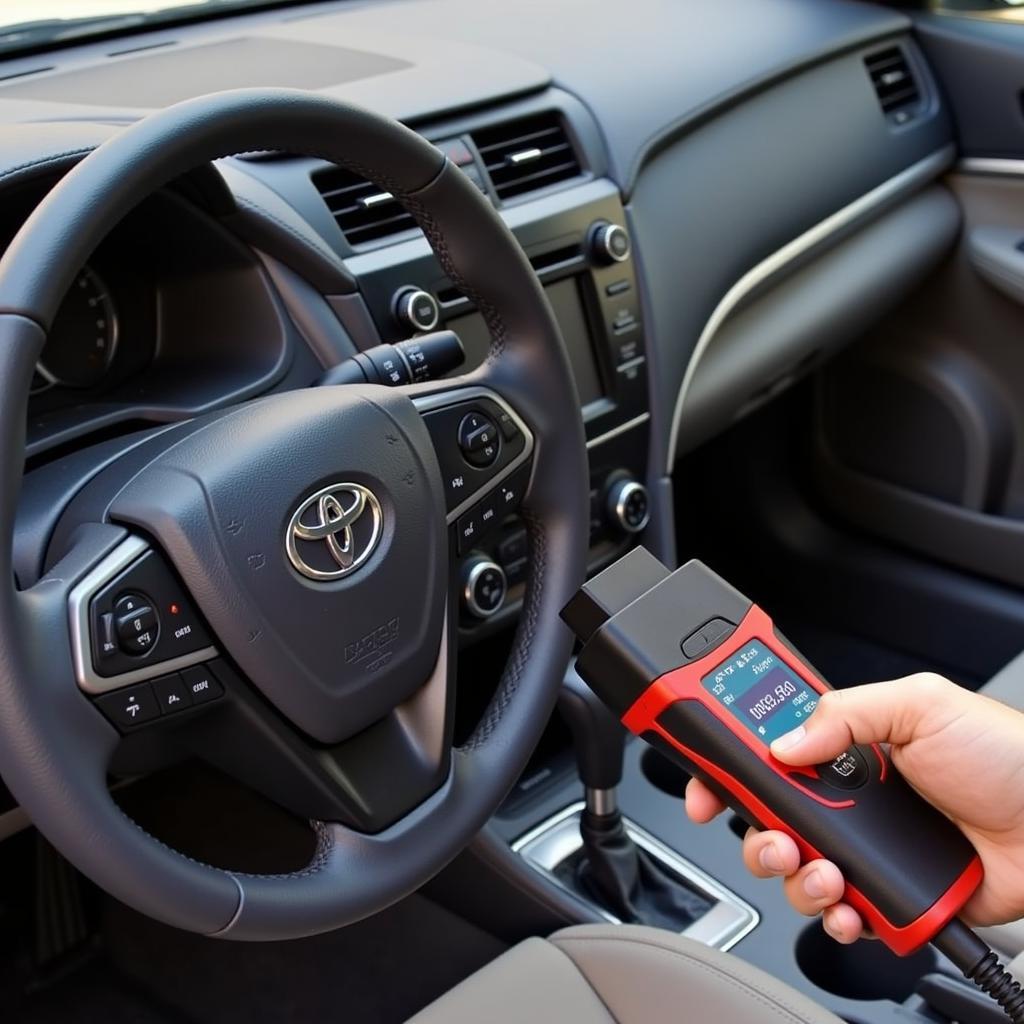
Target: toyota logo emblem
[[334, 531]]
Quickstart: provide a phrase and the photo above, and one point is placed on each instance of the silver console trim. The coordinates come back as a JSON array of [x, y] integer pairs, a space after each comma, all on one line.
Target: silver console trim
[[88, 679], [442, 399], [728, 921], [997, 165], [636, 421]]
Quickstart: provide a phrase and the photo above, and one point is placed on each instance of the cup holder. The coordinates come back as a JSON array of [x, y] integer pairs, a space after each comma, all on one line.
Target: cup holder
[[664, 774], [864, 970]]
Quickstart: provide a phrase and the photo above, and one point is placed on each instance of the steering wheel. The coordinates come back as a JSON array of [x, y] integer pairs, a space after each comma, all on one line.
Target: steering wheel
[[314, 530]]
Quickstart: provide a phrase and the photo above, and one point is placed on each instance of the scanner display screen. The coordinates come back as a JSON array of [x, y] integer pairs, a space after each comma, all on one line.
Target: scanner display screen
[[762, 691]]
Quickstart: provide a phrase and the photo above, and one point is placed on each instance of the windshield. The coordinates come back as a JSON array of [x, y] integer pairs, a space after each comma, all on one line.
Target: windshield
[[27, 25]]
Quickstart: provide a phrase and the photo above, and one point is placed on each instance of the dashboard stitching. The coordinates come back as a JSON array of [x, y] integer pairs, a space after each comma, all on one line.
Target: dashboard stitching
[[44, 161]]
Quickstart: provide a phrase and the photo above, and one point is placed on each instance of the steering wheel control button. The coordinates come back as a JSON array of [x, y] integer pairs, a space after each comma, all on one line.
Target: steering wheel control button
[[473, 446], [416, 309], [484, 587], [478, 440], [848, 771], [136, 624], [106, 640], [201, 684], [610, 243], [131, 707], [150, 617], [171, 694]]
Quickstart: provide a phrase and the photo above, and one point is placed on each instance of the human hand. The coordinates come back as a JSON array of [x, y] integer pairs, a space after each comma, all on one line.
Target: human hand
[[963, 752]]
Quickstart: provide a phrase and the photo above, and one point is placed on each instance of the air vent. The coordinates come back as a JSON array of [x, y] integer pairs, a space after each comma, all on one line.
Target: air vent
[[528, 154], [364, 212], [894, 84]]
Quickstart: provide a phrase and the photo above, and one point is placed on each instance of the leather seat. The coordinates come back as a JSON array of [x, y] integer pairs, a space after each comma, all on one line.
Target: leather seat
[[620, 974]]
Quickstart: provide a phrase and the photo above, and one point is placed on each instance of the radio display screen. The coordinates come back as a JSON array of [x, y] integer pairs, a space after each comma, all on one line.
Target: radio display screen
[[760, 690], [567, 304]]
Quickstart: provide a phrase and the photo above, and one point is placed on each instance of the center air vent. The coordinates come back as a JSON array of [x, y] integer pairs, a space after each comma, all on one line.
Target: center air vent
[[364, 212], [524, 155], [894, 83]]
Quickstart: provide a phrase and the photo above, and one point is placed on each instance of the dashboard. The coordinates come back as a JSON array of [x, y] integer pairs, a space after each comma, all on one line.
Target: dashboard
[[706, 208]]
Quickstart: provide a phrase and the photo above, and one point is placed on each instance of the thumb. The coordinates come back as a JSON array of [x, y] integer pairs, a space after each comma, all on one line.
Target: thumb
[[876, 713]]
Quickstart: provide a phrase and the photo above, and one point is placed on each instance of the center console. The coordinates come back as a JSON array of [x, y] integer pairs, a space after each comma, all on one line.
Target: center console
[[582, 255]]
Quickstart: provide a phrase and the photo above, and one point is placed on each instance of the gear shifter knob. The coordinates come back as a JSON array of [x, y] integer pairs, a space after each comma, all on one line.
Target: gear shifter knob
[[598, 736]]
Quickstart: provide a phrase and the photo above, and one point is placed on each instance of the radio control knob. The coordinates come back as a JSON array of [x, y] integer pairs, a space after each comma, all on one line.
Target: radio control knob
[[610, 243], [416, 309], [629, 505], [483, 587]]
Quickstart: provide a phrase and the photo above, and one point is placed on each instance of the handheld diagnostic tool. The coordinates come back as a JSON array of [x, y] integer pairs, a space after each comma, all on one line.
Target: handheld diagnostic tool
[[700, 672]]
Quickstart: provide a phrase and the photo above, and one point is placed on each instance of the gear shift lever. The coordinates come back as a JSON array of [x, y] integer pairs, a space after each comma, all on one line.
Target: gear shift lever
[[612, 870], [599, 739]]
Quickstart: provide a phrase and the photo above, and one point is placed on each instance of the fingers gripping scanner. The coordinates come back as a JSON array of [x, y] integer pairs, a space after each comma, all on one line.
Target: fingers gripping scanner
[[700, 672]]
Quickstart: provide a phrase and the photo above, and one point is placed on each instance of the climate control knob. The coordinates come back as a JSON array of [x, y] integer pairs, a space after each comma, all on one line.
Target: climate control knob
[[610, 243], [628, 505], [483, 587], [416, 309]]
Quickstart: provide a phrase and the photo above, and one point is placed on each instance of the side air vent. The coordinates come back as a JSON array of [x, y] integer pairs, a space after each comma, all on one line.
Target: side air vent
[[528, 154], [898, 94], [364, 212]]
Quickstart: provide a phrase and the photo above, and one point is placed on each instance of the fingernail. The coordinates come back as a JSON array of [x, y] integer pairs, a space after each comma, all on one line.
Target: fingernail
[[770, 859], [814, 885], [836, 933], [789, 739]]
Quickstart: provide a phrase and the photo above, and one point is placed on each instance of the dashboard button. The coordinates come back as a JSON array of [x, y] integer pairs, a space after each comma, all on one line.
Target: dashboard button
[[513, 547], [202, 684], [171, 694], [484, 587], [130, 708], [416, 309]]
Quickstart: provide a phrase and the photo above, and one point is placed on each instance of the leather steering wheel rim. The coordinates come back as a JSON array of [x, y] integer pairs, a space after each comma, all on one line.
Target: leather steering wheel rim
[[54, 744]]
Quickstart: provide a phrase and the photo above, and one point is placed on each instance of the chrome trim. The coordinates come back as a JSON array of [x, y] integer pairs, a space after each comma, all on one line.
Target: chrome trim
[[551, 842], [906, 181], [403, 308], [469, 590], [990, 165], [525, 156], [442, 399], [119, 559], [327, 529], [603, 238], [375, 199], [630, 363], [601, 801], [620, 429], [628, 489]]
